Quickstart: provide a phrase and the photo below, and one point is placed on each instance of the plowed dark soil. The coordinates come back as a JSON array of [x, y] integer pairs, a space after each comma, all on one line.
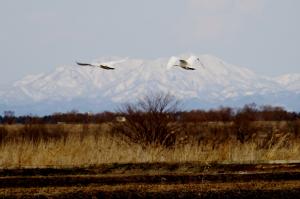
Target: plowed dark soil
[[160, 180]]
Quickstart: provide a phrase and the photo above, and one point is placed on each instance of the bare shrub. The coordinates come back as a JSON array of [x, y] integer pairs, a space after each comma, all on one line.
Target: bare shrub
[[242, 123], [243, 130], [294, 127], [152, 120]]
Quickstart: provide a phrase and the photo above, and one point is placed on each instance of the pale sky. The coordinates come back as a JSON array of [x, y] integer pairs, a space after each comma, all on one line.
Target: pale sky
[[38, 36]]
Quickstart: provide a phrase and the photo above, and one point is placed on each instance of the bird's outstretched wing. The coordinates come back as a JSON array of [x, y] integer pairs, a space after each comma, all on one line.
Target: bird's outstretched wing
[[185, 65], [183, 62], [172, 61], [83, 64], [96, 65], [106, 67], [195, 61], [189, 68]]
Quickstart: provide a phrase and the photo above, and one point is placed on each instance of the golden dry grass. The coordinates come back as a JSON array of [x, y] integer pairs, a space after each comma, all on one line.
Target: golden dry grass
[[98, 147]]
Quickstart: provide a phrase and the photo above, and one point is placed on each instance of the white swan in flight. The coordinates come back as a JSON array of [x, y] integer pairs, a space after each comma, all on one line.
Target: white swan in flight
[[183, 63], [106, 65]]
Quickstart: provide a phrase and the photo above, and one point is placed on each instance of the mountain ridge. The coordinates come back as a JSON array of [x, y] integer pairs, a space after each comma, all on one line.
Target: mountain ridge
[[213, 83]]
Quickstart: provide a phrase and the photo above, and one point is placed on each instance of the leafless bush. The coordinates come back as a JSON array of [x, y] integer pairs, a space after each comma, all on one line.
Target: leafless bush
[[294, 127], [150, 121], [242, 123]]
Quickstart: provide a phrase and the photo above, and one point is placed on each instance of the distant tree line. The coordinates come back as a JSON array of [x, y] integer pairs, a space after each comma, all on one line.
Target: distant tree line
[[249, 112], [69, 117]]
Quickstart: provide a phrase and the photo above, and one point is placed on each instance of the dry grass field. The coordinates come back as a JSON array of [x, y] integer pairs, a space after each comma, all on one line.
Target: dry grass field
[[206, 160], [68, 145]]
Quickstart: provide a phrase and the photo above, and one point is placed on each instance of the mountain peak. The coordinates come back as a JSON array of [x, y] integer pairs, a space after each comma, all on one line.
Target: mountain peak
[[213, 83]]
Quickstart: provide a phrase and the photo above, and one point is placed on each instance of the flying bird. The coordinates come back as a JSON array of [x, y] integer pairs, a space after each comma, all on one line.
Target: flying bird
[[183, 63], [93, 65], [106, 65]]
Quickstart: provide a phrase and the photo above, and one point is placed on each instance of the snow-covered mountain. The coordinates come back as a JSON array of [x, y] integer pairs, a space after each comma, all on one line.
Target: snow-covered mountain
[[290, 82], [213, 83]]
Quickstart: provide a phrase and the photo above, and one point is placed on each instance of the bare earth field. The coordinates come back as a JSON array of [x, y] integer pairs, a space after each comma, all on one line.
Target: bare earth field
[[207, 160], [155, 180]]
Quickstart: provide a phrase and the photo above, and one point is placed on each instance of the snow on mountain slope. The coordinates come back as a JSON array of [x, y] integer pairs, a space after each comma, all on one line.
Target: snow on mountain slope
[[213, 83], [290, 82]]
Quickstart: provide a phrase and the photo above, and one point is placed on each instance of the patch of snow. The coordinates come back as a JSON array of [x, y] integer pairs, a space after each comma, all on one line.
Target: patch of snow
[[214, 82]]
